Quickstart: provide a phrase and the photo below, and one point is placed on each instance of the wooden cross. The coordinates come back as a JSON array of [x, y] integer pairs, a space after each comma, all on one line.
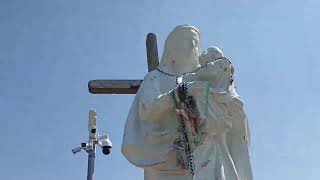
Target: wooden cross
[[127, 86]]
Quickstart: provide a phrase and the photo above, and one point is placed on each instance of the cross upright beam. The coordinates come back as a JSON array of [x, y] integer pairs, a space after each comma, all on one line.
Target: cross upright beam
[[152, 52], [127, 86]]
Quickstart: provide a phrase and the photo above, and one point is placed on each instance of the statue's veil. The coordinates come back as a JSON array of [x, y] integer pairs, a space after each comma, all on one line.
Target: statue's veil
[[171, 43]]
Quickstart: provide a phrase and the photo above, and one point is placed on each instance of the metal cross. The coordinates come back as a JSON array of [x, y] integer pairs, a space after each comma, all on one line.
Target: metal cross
[[127, 86]]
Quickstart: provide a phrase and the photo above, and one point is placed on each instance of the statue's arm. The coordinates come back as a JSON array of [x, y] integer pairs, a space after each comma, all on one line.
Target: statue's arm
[[151, 104]]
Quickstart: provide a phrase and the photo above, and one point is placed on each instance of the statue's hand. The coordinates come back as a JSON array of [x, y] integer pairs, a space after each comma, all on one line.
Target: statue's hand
[[196, 87]]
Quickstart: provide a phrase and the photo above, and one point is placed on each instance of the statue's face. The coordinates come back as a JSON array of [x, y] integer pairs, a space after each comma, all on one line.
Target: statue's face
[[183, 45], [187, 44], [210, 55], [181, 50]]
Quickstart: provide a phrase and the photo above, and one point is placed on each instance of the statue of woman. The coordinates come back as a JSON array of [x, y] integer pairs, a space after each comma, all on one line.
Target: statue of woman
[[201, 136]]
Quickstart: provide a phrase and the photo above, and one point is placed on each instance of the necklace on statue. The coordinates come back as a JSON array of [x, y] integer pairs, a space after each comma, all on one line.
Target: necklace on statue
[[179, 78], [184, 153]]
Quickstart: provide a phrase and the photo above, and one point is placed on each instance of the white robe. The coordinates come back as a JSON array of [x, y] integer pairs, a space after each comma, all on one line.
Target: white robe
[[152, 124]]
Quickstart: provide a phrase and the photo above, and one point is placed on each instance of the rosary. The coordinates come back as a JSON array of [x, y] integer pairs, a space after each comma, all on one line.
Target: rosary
[[179, 78], [185, 157]]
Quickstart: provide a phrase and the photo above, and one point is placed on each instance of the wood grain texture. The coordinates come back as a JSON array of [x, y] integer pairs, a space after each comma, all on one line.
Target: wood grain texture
[[114, 86], [127, 86], [152, 52]]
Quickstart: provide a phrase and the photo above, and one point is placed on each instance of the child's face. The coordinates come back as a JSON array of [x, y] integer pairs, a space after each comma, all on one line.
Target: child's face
[[210, 55]]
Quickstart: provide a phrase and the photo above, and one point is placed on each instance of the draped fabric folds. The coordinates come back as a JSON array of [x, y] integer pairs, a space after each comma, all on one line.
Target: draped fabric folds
[[152, 127]]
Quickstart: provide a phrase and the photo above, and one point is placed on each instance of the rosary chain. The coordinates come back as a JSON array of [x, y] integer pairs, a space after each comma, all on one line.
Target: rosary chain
[[184, 138], [187, 73]]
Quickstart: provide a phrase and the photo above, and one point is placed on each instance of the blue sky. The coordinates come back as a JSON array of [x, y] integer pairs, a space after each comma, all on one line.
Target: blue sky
[[49, 50]]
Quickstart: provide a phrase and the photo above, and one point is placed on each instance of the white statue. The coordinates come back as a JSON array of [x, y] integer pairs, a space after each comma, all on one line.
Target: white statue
[[187, 121]]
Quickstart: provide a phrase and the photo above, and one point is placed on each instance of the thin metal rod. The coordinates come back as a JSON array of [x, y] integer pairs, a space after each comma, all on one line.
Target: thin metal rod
[[91, 159]]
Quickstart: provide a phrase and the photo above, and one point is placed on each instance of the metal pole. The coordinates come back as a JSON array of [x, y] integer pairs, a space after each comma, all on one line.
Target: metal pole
[[92, 128], [102, 142], [91, 158]]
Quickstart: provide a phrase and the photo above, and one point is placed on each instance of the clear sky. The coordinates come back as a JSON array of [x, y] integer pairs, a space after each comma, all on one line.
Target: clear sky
[[49, 50]]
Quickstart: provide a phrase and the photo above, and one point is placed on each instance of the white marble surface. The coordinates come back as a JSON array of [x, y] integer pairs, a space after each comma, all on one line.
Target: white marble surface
[[152, 124]]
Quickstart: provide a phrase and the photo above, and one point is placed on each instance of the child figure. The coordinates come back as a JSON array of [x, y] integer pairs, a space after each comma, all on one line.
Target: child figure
[[216, 69], [209, 89]]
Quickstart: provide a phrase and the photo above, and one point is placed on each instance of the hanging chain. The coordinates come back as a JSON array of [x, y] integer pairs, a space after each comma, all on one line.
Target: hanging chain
[[186, 158], [199, 68]]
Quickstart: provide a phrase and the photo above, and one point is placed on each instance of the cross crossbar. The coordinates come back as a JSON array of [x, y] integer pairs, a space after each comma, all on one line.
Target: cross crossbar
[[114, 86], [127, 86]]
